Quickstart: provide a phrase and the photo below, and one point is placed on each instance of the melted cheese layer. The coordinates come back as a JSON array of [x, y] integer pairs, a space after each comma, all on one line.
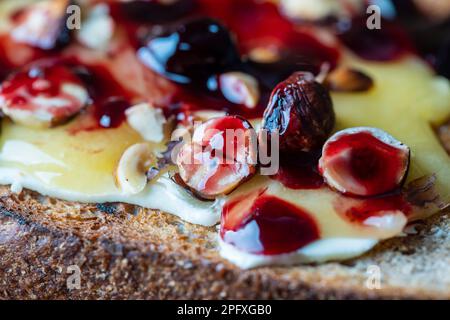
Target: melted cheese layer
[[79, 166]]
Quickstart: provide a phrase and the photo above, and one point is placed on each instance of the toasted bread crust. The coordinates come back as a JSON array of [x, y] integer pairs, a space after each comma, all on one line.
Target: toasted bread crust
[[125, 252]]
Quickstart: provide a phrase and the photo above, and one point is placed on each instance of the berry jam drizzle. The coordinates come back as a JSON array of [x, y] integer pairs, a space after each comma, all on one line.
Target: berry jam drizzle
[[358, 210], [264, 224], [299, 171], [109, 98], [388, 43]]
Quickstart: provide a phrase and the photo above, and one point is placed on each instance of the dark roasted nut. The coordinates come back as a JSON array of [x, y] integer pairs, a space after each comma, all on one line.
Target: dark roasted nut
[[348, 80], [43, 25], [300, 110], [221, 156]]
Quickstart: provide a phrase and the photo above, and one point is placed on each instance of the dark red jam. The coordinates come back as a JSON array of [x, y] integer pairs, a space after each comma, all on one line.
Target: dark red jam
[[388, 43], [266, 225], [53, 74], [370, 162], [299, 171], [109, 98], [359, 210]]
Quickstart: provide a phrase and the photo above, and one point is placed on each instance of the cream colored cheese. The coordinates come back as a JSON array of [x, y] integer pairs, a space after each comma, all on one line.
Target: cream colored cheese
[[79, 165]]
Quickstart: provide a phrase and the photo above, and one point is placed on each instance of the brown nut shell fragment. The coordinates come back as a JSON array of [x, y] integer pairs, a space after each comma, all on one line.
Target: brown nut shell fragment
[[346, 79]]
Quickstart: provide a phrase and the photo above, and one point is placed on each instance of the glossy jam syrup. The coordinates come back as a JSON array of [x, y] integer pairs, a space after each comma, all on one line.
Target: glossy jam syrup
[[375, 166], [268, 225], [299, 171], [358, 210], [109, 98], [261, 23], [187, 100], [191, 52], [150, 11], [388, 43], [10, 60], [254, 25], [54, 73]]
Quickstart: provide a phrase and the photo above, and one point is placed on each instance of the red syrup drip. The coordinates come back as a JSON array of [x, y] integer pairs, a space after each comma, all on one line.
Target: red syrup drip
[[357, 210], [299, 171], [8, 48], [389, 43], [253, 24], [109, 98], [267, 226]]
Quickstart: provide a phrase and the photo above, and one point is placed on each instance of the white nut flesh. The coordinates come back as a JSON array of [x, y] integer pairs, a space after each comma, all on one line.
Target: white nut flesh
[[41, 24], [148, 121], [240, 88], [316, 10], [97, 29], [131, 172], [364, 165]]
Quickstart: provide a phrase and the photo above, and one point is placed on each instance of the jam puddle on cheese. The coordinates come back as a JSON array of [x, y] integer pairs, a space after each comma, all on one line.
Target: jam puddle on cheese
[[291, 217]]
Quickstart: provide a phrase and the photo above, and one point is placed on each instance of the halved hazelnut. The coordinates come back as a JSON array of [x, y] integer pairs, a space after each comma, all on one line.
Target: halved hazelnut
[[240, 88], [43, 25], [43, 95], [348, 80], [301, 111], [131, 172], [97, 29], [147, 120], [364, 161], [221, 156]]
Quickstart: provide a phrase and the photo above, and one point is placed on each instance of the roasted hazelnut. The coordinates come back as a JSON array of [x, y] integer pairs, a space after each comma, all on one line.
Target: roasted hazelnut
[[44, 94], [220, 157], [364, 161], [300, 110]]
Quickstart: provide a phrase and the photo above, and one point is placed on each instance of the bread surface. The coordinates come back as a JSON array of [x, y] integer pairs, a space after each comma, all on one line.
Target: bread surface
[[126, 252]]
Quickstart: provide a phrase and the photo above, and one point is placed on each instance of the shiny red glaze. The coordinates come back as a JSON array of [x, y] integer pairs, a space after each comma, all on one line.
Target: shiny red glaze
[[261, 23], [388, 43], [371, 162], [43, 78], [268, 226], [299, 171], [358, 210], [55, 74], [109, 98]]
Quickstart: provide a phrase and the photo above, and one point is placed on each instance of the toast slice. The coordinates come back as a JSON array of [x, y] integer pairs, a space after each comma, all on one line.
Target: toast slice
[[126, 252], [123, 252]]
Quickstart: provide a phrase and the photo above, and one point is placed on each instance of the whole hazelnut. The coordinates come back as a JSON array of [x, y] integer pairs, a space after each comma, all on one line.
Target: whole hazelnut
[[300, 110]]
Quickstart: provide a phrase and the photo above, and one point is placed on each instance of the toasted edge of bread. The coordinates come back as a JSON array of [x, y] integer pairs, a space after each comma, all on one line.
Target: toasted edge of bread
[[126, 252]]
